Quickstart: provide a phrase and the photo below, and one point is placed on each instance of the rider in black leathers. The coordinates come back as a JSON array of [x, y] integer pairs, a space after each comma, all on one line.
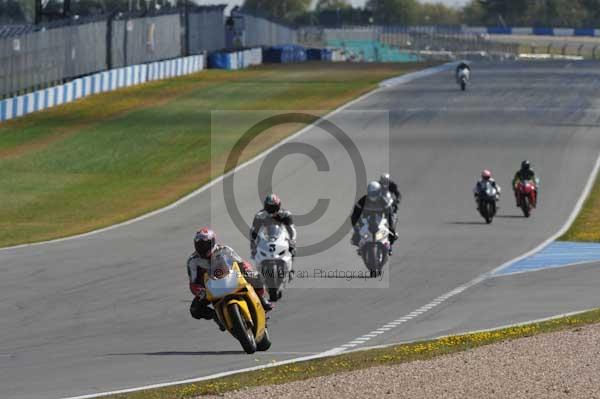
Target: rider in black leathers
[[372, 202]]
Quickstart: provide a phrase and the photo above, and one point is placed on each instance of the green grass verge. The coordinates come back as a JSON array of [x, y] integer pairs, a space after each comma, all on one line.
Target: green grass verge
[[362, 359], [111, 157], [586, 227]]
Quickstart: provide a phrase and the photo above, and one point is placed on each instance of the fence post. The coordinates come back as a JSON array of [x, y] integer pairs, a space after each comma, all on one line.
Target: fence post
[[564, 49], [186, 28], [594, 52], [580, 49], [549, 49], [109, 62]]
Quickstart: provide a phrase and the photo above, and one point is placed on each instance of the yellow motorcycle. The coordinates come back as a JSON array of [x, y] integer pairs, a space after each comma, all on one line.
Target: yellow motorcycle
[[237, 305]]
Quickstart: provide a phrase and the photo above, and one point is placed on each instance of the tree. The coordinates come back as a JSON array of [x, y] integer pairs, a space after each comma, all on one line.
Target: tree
[[509, 12], [282, 9], [15, 12], [592, 8], [394, 11], [332, 5], [473, 13]]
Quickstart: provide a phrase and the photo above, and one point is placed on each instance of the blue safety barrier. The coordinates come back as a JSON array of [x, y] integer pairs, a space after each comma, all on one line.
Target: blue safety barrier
[[583, 32], [538, 31], [284, 54], [318, 54], [232, 60], [499, 30], [543, 31]]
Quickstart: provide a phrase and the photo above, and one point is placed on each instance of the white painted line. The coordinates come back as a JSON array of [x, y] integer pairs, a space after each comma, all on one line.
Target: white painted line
[[364, 348], [421, 74]]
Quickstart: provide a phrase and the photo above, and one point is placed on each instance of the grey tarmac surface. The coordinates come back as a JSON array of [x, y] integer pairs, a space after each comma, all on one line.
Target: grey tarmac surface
[[110, 311]]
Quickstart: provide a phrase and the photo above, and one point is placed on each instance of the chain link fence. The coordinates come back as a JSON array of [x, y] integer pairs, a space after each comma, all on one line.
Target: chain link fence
[[371, 43], [263, 32], [43, 56]]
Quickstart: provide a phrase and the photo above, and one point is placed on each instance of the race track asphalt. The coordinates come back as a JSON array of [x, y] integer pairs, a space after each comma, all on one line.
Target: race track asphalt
[[110, 311]]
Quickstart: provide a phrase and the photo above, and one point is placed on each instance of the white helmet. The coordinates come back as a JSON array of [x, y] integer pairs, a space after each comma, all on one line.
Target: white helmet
[[373, 191], [385, 180]]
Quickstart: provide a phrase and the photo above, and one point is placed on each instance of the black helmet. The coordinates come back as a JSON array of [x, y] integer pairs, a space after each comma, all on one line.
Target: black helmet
[[205, 242], [272, 204], [525, 165]]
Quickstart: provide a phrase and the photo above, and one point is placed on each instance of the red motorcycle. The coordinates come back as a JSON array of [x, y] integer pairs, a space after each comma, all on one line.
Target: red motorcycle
[[526, 195]]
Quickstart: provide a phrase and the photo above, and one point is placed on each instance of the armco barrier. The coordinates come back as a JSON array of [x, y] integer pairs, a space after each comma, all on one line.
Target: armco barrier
[[98, 83], [232, 60]]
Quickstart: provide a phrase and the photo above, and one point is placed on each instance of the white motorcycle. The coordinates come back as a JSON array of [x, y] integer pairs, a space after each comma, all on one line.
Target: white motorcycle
[[463, 78], [274, 258], [488, 197], [374, 243]]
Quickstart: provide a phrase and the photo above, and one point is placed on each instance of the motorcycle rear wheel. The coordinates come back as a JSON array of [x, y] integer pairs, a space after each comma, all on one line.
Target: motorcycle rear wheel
[[241, 331]]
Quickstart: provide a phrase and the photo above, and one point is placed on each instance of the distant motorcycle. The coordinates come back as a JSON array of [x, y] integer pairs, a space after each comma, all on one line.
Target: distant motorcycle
[[374, 243], [463, 78], [488, 197], [274, 259], [526, 192], [237, 306]]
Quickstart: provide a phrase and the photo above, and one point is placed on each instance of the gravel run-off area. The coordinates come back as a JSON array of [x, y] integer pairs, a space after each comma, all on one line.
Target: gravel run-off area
[[563, 364]]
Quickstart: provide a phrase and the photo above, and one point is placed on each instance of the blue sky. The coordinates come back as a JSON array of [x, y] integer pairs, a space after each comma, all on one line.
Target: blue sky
[[354, 2]]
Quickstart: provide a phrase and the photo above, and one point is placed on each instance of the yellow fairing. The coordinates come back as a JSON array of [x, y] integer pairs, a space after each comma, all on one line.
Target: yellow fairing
[[248, 303]]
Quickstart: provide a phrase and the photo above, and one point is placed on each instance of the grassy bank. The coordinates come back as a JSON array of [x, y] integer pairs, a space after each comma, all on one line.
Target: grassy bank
[[111, 157], [587, 225], [363, 359]]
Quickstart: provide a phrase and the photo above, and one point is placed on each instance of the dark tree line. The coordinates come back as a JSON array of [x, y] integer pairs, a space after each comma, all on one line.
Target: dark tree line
[[551, 13]]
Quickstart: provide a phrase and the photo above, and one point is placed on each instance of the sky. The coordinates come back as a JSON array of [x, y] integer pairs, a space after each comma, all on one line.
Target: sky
[[354, 2]]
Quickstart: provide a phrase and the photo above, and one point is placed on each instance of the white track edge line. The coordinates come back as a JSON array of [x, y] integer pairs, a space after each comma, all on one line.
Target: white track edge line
[[331, 353], [407, 78], [541, 320]]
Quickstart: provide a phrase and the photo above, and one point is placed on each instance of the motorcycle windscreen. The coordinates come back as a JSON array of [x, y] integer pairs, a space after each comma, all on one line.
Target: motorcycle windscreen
[[219, 288], [223, 279], [272, 232]]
